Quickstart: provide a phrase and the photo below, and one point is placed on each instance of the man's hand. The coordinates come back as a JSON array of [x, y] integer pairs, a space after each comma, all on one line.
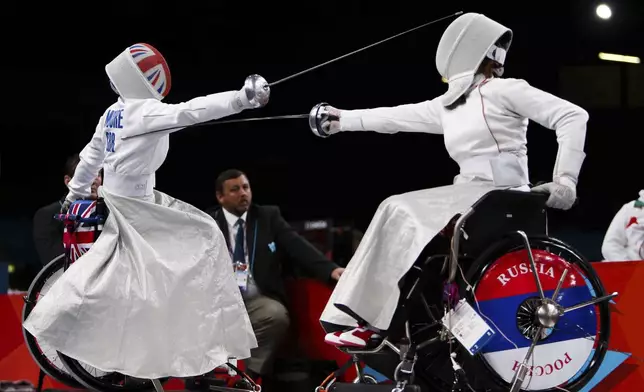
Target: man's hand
[[335, 275]]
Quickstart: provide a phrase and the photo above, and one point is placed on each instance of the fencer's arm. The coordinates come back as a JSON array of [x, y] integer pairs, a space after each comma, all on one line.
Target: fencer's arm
[[565, 118], [91, 161], [157, 116], [421, 117], [614, 247]]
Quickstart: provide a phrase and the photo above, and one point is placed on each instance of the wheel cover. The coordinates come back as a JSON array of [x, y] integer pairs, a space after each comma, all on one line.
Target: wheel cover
[[506, 293]]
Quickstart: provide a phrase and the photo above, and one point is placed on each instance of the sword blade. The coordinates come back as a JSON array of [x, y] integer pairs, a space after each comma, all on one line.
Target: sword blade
[[238, 120], [217, 122], [363, 48]]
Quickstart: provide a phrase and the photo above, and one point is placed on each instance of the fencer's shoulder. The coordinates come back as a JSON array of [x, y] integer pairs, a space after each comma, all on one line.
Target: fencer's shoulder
[[635, 205], [140, 103], [628, 209], [508, 84], [117, 105]]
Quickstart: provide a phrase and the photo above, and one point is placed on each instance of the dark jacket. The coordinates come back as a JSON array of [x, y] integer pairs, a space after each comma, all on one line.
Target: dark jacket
[[48, 233], [287, 246]]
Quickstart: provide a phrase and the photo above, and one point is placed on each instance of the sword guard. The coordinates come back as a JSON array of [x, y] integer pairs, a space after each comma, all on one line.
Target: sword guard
[[257, 90], [319, 114]]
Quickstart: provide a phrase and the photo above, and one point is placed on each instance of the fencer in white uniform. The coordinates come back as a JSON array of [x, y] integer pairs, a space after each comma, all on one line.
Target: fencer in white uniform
[[483, 120], [155, 296], [624, 239]]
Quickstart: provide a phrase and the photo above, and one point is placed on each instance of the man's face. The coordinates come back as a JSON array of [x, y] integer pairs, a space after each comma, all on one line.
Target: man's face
[[236, 196]]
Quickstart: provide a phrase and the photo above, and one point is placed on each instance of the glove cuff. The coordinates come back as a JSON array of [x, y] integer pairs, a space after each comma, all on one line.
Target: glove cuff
[[566, 181], [568, 165], [240, 100], [350, 121]]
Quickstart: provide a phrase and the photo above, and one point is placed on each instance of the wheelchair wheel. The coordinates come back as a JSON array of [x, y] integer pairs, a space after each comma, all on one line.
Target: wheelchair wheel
[[504, 292], [110, 382], [46, 357], [59, 366]]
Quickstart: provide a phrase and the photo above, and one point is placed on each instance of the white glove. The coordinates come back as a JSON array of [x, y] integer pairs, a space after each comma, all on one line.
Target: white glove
[[561, 196], [331, 124]]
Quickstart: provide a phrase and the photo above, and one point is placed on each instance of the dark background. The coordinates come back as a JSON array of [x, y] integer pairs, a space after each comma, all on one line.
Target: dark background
[[54, 89]]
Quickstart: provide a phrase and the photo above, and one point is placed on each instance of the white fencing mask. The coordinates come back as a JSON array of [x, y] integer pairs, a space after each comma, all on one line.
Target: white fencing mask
[[466, 42], [140, 72]]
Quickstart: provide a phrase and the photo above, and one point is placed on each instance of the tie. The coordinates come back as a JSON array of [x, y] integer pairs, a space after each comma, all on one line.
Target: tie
[[238, 254]]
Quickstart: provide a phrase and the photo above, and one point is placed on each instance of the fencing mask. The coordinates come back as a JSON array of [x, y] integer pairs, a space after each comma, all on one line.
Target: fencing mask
[[466, 42], [140, 72]]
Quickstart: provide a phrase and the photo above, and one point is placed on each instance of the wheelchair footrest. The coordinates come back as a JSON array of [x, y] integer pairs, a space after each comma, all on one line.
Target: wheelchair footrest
[[350, 387]]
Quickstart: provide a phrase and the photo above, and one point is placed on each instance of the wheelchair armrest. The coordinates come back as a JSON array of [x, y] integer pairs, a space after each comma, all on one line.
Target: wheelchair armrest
[[504, 196]]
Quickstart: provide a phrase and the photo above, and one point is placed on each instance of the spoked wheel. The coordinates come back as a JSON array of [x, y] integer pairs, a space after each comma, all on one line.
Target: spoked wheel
[[60, 367], [570, 342], [46, 357], [110, 382]]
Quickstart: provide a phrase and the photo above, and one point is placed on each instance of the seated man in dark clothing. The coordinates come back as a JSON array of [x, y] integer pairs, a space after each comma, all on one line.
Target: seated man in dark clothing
[[259, 251], [48, 232]]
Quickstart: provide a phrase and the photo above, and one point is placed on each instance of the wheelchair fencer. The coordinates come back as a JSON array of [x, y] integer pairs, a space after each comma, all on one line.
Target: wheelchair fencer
[[493, 303], [82, 226]]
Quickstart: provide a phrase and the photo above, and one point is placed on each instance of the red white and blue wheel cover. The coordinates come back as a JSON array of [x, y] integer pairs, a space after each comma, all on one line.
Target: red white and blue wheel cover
[[505, 285]]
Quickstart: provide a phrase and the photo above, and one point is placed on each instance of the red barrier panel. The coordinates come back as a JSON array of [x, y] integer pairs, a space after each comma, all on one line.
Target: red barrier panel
[[308, 299], [624, 371], [627, 324]]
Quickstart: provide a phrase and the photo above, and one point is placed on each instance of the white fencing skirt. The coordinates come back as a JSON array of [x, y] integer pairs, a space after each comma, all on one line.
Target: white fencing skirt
[[399, 231], [154, 297]]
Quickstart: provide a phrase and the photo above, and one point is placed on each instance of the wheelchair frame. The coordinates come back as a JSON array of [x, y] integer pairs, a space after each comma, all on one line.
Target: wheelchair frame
[[407, 351]]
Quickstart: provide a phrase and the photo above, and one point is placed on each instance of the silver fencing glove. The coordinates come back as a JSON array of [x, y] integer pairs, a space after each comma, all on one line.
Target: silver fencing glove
[[255, 93]]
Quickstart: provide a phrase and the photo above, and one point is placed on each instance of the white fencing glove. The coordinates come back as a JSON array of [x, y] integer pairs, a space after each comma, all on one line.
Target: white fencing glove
[[563, 194]]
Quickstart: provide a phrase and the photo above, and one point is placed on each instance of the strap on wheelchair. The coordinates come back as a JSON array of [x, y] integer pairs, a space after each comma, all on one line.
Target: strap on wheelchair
[[334, 376]]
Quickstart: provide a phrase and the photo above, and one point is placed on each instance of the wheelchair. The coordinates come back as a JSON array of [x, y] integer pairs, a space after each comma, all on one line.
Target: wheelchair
[[546, 309], [83, 224]]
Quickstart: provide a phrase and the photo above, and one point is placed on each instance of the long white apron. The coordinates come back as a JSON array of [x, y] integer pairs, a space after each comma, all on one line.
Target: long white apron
[[399, 231], [155, 296]]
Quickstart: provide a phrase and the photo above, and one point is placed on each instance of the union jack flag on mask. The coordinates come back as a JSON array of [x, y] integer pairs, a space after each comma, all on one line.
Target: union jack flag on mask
[[82, 235]]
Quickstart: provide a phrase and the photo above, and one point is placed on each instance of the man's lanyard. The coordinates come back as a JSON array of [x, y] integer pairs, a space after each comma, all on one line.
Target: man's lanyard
[[252, 257]]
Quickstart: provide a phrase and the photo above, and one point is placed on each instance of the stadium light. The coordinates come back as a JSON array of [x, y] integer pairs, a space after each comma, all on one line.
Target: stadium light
[[604, 11], [619, 58]]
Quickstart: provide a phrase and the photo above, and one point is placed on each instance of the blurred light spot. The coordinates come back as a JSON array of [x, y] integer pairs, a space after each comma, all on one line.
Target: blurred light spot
[[604, 11], [619, 58]]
